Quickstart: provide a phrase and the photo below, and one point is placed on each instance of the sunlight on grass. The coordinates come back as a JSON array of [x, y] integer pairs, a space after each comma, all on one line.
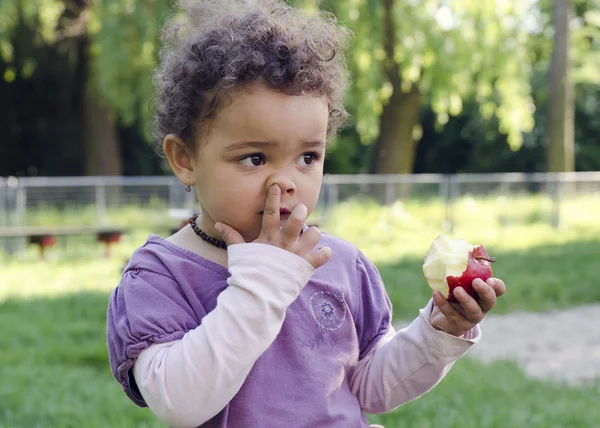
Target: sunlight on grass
[[395, 238], [386, 234], [132, 215], [77, 266]]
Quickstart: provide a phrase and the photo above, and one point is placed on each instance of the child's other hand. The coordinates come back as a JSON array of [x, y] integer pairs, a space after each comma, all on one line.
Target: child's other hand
[[287, 237], [458, 318]]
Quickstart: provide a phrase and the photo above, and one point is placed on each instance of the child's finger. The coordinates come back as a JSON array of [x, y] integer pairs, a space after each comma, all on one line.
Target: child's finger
[[319, 257], [449, 309], [293, 226], [443, 304], [472, 311], [309, 239], [487, 295], [229, 234], [498, 286], [271, 217]]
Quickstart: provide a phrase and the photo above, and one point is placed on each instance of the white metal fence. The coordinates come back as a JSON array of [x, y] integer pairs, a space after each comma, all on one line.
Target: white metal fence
[[145, 202]]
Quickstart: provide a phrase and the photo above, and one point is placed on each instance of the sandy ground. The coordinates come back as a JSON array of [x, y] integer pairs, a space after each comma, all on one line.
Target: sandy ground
[[561, 345]]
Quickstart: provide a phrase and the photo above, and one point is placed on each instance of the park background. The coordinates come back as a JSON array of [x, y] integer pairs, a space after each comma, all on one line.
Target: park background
[[476, 118]]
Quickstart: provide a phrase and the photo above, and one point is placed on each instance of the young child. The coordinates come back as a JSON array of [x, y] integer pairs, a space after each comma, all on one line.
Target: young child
[[249, 318]]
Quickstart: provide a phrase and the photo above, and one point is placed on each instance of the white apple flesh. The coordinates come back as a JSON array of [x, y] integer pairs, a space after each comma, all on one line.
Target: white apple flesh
[[452, 263]]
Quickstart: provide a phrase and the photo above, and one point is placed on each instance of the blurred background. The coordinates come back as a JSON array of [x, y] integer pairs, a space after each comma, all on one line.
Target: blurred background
[[480, 119]]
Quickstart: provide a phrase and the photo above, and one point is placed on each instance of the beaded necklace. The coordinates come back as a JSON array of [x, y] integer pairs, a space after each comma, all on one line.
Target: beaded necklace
[[212, 241]]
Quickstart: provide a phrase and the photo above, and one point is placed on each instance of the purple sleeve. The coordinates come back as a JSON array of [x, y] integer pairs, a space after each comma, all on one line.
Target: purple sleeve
[[375, 308], [145, 308]]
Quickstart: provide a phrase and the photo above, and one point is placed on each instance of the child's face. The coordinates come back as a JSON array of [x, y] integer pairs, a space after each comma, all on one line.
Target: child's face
[[262, 138]]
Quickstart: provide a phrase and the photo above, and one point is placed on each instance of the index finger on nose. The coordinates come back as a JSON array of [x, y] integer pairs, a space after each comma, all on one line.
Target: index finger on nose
[[271, 217]]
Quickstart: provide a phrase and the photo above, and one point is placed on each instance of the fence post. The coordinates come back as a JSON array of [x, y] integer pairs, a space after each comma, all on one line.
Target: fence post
[[503, 219], [100, 203], [555, 196], [3, 204], [171, 195], [444, 195], [21, 213], [4, 243], [332, 198], [452, 191], [390, 191], [21, 205]]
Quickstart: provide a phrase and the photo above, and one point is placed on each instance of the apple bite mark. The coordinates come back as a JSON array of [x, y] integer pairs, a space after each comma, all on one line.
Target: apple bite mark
[[456, 263]]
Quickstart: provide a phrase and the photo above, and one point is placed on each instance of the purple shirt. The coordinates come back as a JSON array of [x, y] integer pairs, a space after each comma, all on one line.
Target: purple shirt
[[303, 377]]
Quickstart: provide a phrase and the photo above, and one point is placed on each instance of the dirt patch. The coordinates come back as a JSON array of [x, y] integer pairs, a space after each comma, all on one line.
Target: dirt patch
[[560, 345]]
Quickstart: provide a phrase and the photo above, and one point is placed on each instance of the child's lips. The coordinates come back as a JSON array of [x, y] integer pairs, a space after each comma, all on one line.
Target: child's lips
[[282, 212]]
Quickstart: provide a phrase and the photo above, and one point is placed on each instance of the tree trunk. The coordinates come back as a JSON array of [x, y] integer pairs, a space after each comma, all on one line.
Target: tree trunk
[[395, 149], [102, 154], [561, 129]]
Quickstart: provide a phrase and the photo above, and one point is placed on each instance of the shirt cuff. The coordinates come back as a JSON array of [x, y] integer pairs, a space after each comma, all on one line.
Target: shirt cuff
[[445, 344]]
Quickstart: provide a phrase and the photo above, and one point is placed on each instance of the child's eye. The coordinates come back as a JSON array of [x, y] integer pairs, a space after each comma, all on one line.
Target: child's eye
[[307, 159], [252, 160]]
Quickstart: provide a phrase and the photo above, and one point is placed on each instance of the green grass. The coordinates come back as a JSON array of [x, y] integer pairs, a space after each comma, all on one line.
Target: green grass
[[475, 395], [54, 367], [56, 371], [56, 375]]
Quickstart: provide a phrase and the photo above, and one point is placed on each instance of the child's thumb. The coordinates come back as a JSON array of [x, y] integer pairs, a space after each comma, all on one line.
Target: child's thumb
[[319, 257], [229, 234]]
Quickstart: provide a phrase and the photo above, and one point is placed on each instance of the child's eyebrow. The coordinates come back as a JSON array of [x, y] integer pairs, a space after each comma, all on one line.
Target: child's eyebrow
[[265, 144]]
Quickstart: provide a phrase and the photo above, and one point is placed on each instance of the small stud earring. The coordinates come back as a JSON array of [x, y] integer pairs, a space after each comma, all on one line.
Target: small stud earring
[[188, 187]]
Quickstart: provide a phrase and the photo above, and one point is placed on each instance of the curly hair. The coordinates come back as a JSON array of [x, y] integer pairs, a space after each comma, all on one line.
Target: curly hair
[[215, 46]]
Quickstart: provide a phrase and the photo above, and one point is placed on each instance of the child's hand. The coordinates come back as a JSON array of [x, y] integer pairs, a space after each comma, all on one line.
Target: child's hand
[[286, 237], [458, 318]]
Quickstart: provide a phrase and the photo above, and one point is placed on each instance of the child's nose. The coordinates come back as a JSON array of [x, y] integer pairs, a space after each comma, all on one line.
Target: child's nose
[[285, 183]]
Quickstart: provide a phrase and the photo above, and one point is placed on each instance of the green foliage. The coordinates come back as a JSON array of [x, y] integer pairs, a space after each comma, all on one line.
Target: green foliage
[[453, 51], [457, 50], [126, 37], [586, 44], [40, 14], [123, 39], [472, 59]]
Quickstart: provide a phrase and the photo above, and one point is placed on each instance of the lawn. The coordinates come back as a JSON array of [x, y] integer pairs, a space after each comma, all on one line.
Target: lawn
[[54, 368]]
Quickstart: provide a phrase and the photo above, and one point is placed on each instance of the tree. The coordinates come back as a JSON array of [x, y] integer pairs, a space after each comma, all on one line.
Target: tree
[[113, 47], [567, 51], [438, 52], [561, 129]]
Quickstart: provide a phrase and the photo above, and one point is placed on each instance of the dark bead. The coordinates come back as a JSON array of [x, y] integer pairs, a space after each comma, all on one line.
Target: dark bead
[[211, 240]]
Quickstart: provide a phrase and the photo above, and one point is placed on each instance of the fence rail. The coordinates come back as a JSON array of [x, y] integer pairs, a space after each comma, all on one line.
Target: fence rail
[[145, 202]]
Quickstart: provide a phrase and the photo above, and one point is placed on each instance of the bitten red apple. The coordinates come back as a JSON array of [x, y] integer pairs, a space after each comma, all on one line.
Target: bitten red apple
[[452, 263]]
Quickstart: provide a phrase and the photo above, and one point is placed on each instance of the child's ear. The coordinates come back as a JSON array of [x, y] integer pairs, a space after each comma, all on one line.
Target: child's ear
[[179, 157]]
